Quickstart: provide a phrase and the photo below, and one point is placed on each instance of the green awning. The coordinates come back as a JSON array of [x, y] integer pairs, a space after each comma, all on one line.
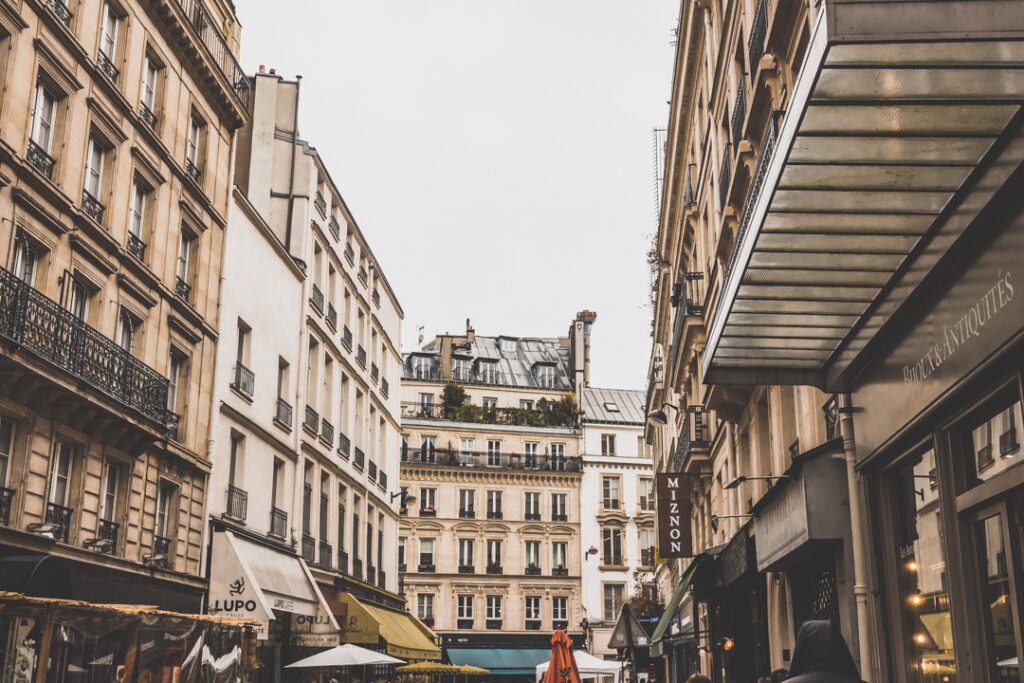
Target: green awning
[[501, 661], [670, 610]]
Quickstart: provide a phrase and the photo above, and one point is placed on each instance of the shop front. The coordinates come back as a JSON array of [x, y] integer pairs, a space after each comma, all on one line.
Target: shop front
[[274, 589], [398, 634]]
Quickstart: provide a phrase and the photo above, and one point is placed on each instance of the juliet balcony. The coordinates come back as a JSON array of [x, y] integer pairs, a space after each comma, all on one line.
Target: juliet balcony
[[531, 417], [39, 325], [692, 448], [507, 461]]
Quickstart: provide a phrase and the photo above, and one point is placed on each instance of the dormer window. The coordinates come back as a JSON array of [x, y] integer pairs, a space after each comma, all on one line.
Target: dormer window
[[422, 367], [487, 372], [545, 375], [460, 369]]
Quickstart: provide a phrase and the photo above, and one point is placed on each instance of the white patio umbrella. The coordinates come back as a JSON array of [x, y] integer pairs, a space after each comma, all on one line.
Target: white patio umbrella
[[345, 655]]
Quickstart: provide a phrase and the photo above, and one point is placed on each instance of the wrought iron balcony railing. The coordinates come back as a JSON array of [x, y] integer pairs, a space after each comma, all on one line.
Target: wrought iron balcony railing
[[320, 203], [465, 624], [831, 410], [724, 178], [357, 568], [420, 372], [278, 522], [758, 32], [6, 496], [371, 574], [361, 356], [688, 299], [467, 513], [374, 373], [206, 28], [425, 567], [107, 66], [344, 445], [428, 511], [326, 432], [283, 413], [375, 297], [36, 322], [511, 461], [494, 514], [360, 459], [39, 159], [346, 337], [350, 253], [647, 557], [317, 299], [767, 149], [332, 316], [326, 553], [60, 10], [244, 380], [162, 549], [688, 199], [381, 578], [312, 421], [238, 502], [108, 531], [695, 435], [533, 569], [533, 624], [342, 561], [493, 624], [532, 417], [147, 115], [384, 387], [135, 247], [192, 170], [92, 207], [182, 289], [467, 569], [362, 274], [308, 548], [559, 571], [335, 228], [739, 113], [532, 516], [559, 517]]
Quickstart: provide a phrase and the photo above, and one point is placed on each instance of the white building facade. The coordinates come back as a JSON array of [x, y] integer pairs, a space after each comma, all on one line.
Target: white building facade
[[617, 522]]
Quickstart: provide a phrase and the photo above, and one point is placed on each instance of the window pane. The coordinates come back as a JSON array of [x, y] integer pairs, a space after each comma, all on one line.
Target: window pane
[[994, 443], [997, 598]]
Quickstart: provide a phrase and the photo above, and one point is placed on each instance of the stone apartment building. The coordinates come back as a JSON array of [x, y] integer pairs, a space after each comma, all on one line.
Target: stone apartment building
[[116, 125], [838, 236], [305, 406], [490, 549]]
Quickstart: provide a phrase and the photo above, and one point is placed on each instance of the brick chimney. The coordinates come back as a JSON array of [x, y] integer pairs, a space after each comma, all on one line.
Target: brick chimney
[[579, 348]]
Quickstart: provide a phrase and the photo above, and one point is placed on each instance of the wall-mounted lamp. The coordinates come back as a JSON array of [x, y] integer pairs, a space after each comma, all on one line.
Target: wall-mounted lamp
[[659, 417], [590, 551], [715, 518], [740, 479], [405, 500]]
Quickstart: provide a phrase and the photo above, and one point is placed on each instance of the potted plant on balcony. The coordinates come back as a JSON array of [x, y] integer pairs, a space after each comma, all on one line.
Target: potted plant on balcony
[[533, 568], [493, 568]]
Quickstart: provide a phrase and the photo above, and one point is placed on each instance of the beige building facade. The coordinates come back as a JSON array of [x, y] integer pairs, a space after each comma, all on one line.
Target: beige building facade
[[490, 550], [116, 125]]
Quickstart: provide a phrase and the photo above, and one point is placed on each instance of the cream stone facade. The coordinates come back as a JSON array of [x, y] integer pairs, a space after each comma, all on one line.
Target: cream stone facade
[[116, 126], [490, 550]]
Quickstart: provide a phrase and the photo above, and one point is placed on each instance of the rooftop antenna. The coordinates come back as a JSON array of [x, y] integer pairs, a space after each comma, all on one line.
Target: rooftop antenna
[[419, 331]]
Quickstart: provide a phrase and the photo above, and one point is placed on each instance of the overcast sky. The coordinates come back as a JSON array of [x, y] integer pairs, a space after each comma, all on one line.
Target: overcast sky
[[497, 154]]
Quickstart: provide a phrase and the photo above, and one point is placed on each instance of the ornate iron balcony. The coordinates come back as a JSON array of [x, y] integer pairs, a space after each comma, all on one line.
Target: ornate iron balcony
[[465, 624], [758, 31], [238, 502], [360, 459], [135, 247], [320, 203], [381, 578], [107, 66], [467, 513], [511, 461], [494, 624], [317, 299], [342, 561], [326, 432], [162, 547], [206, 28], [283, 414], [739, 112], [371, 574], [532, 516], [108, 531], [346, 337], [534, 417], [724, 178], [494, 514], [362, 274], [344, 445], [384, 387], [36, 322], [244, 381], [695, 435], [425, 567], [374, 372], [357, 568], [559, 571], [39, 159], [60, 10], [308, 548], [278, 522], [831, 410], [350, 253], [533, 624], [428, 511], [6, 496], [182, 289], [192, 170], [332, 316], [533, 569], [375, 296], [312, 421], [335, 228], [559, 517], [147, 116], [647, 557], [765, 155], [92, 207], [326, 553], [361, 356]]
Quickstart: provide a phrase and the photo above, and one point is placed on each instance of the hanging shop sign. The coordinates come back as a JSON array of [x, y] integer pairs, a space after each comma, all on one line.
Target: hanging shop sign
[[673, 496]]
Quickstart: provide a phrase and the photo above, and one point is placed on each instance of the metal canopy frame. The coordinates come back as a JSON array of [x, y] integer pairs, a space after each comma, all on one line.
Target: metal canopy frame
[[881, 142]]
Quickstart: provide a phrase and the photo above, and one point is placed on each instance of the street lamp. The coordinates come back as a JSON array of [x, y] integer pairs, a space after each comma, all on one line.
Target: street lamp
[[659, 417], [715, 518], [405, 499], [742, 478]]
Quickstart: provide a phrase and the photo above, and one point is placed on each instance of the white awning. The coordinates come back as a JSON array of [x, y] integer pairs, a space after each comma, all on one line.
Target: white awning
[[881, 142], [248, 579]]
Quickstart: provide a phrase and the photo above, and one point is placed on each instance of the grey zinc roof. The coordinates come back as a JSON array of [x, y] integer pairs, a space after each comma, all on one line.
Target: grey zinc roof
[[516, 358], [595, 404]]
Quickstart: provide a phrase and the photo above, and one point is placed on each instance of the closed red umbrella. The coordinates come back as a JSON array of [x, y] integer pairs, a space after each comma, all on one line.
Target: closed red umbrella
[[562, 665]]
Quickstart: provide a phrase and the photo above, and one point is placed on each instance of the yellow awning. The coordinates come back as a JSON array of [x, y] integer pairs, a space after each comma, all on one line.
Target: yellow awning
[[405, 636]]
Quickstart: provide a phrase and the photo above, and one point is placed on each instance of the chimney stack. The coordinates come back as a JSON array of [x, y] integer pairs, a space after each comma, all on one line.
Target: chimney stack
[[579, 348]]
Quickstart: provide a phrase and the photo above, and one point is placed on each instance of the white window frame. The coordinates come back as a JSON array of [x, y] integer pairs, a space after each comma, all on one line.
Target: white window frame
[[165, 493], [25, 261], [531, 553], [494, 502], [467, 551], [531, 502], [7, 434], [425, 543], [425, 605], [531, 607], [493, 452], [465, 606], [94, 158], [150, 81], [108, 32], [111, 486], [467, 496], [195, 130], [559, 608], [494, 548], [559, 555], [44, 115], [63, 461], [494, 608], [137, 210]]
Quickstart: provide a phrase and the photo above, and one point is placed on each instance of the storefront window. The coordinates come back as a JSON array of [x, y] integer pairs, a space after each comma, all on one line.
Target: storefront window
[[921, 571], [994, 445], [997, 597]]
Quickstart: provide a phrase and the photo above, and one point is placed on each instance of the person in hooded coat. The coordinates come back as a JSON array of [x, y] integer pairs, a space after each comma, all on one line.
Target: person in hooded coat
[[821, 656]]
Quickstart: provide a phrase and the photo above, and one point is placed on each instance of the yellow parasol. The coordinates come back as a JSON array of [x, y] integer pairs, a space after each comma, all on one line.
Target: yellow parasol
[[429, 668], [467, 670]]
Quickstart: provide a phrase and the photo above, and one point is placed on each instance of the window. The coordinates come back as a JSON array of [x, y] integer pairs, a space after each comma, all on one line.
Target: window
[[532, 612], [558, 508], [175, 374], [612, 602], [44, 118], [108, 505], [532, 559], [460, 369], [494, 505], [467, 503], [465, 552], [465, 613], [6, 449], [995, 438], [611, 407], [611, 539], [525, 404], [94, 158], [493, 555], [137, 210], [493, 609], [610, 490], [425, 607], [466, 446], [530, 451], [546, 375], [428, 498], [186, 248], [493, 453], [126, 326], [488, 373], [192, 150], [646, 494], [558, 456], [559, 550], [428, 448], [60, 486], [607, 444], [164, 508], [425, 399], [25, 257], [426, 553], [489, 402], [150, 82], [532, 505], [108, 34], [277, 484], [559, 609], [78, 298], [646, 546]]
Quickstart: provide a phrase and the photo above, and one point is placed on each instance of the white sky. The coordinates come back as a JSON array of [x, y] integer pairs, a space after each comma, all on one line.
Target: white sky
[[497, 154]]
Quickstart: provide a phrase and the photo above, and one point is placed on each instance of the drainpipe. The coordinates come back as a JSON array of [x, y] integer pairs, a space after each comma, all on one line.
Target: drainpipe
[[291, 171], [860, 589]]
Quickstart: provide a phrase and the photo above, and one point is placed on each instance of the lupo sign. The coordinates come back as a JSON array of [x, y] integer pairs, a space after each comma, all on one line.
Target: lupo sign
[[673, 496]]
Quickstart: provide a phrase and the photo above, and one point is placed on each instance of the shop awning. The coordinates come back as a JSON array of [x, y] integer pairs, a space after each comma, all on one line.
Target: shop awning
[[251, 580], [501, 661], [899, 111], [670, 610], [404, 635]]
